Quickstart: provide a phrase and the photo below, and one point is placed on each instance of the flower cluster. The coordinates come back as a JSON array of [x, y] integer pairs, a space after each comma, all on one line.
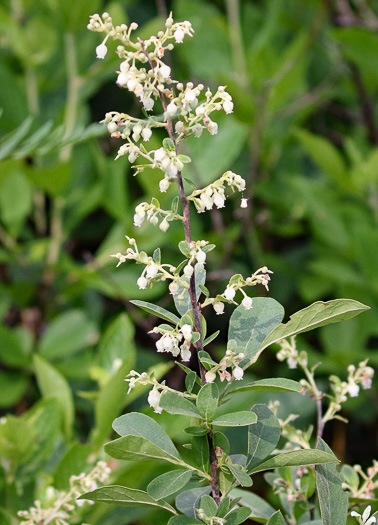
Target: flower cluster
[[294, 487], [175, 340], [158, 389], [214, 194], [209, 520], [146, 84], [59, 506], [360, 484], [152, 213], [230, 360], [236, 283]]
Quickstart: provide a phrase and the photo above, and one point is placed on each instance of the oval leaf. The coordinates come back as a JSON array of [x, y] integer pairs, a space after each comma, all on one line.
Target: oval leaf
[[126, 497], [236, 419], [168, 483], [188, 500], [175, 404], [183, 520], [263, 436], [332, 499], [316, 315], [276, 519], [137, 424], [207, 401], [157, 310], [237, 516], [296, 458], [249, 328], [137, 448], [279, 384]]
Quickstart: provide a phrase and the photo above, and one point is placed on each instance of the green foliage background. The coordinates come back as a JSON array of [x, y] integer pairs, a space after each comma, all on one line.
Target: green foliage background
[[304, 136]]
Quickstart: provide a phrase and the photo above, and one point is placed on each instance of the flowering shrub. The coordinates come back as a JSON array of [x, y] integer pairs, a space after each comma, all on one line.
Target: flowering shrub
[[208, 476]]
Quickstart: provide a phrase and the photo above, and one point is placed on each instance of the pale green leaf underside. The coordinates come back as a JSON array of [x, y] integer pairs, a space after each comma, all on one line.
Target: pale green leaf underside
[[279, 384], [168, 483], [276, 519], [157, 310], [263, 436], [316, 315], [332, 499], [249, 328], [296, 458], [236, 419], [126, 496], [175, 404], [138, 424], [137, 448]]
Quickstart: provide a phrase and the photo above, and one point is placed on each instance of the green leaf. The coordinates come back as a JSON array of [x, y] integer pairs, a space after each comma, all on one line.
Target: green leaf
[[12, 348], [208, 505], [117, 345], [221, 440], [190, 381], [249, 328], [196, 431], [182, 298], [168, 483], [188, 500], [240, 475], [126, 497], [296, 458], [15, 200], [200, 451], [324, 154], [332, 499], [175, 404], [276, 519], [168, 144], [316, 315], [137, 448], [207, 401], [263, 436], [67, 334], [137, 424], [279, 384], [183, 520], [53, 385], [157, 310], [237, 516], [235, 419], [211, 338], [259, 507], [10, 141]]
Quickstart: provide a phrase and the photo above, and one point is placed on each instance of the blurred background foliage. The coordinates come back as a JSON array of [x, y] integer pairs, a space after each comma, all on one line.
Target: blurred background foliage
[[304, 79]]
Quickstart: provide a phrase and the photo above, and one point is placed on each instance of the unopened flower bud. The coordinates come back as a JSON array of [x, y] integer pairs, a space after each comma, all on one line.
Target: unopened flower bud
[[101, 51], [164, 225]]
